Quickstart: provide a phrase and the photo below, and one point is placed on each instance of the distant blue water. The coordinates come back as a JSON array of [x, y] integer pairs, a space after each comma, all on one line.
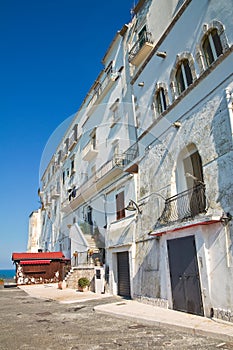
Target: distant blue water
[[7, 274]]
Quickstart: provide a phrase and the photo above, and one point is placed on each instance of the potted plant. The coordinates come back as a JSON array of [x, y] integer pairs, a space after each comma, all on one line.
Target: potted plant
[[83, 284], [1, 283]]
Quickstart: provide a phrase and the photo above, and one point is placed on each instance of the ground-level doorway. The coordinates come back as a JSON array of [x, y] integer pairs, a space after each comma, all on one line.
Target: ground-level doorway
[[184, 274], [123, 275]]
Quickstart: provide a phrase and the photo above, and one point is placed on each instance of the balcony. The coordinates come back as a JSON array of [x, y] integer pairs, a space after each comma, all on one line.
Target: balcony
[[102, 87], [63, 153], [55, 193], [141, 49], [129, 156], [185, 205], [89, 152], [72, 140], [102, 177]]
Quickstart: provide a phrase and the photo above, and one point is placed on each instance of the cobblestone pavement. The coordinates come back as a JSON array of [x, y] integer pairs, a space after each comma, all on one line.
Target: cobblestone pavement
[[30, 323]]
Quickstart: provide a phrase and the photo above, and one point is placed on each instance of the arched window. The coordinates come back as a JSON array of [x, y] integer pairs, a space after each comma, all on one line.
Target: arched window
[[183, 76], [212, 47], [211, 44], [160, 101], [189, 198], [189, 171]]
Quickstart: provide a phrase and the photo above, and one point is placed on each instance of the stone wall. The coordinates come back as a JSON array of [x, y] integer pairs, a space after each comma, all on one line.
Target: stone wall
[[225, 315], [152, 301], [78, 272]]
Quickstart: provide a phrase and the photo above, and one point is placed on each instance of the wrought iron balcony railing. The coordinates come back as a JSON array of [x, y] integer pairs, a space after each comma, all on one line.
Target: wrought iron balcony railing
[[144, 40], [184, 205], [131, 154]]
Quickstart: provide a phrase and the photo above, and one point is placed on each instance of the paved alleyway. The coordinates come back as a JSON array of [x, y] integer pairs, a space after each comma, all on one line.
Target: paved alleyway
[[31, 323]]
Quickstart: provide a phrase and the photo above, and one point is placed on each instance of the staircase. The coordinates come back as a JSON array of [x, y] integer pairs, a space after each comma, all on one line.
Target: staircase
[[91, 243], [76, 272]]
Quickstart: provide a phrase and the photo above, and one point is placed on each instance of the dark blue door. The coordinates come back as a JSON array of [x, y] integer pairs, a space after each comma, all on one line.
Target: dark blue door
[[185, 281]]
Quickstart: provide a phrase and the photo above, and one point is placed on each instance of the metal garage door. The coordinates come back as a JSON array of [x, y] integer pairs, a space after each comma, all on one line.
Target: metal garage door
[[123, 274], [185, 281]]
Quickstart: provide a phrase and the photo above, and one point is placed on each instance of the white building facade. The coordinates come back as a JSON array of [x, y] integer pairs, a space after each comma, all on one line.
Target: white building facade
[[155, 129]]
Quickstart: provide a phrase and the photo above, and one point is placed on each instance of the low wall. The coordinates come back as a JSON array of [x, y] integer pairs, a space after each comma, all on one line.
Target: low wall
[[78, 272]]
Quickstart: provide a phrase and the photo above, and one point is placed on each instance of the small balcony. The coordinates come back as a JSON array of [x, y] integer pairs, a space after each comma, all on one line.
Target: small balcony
[[130, 158], [63, 153], [141, 49], [185, 205], [102, 177], [89, 152], [55, 193], [102, 87], [72, 140]]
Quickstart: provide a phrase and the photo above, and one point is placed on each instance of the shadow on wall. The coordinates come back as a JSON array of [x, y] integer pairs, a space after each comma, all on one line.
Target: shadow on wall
[[147, 278]]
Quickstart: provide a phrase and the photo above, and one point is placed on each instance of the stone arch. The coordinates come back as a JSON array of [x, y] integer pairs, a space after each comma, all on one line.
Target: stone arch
[[188, 169]]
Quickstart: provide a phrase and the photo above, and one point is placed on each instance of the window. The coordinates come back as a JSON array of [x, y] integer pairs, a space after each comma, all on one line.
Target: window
[[115, 112], [142, 36], [212, 47], [93, 138], [115, 150], [89, 219], [120, 205], [109, 69], [193, 170], [195, 184], [160, 101], [72, 167], [63, 177], [183, 76]]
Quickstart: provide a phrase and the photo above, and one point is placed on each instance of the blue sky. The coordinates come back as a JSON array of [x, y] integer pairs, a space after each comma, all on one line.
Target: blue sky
[[51, 53]]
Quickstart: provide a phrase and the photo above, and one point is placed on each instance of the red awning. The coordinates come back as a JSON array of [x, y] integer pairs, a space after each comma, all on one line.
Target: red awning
[[35, 262], [38, 256]]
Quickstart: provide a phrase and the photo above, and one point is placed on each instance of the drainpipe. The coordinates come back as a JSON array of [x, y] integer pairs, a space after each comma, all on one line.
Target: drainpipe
[[229, 98]]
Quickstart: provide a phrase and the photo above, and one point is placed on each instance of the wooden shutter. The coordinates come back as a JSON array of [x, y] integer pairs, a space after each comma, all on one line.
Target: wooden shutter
[[120, 205]]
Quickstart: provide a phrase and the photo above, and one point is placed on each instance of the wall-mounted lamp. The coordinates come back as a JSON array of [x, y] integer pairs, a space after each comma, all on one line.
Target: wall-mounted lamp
[[141, 84], [177, 124], [225, 218], [161, 54], [132, 206]]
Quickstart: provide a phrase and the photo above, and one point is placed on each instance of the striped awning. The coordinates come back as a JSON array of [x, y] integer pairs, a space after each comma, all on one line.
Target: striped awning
[[35, 262]]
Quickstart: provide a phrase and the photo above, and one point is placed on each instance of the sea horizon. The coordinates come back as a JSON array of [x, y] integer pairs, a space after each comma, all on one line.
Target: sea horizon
[[7, 273]]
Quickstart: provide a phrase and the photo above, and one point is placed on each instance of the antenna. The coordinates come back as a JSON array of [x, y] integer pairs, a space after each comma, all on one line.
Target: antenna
[[131, 11]]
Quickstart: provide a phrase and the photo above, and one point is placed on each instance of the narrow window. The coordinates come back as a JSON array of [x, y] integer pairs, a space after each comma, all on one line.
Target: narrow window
[[120, 205], [63, 177], [89, 219], [212, 47], [161, 104], [114, 112], [142, 37], [193, 170], [72, 170], [183, 76], [195, 184], [93, 138]]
